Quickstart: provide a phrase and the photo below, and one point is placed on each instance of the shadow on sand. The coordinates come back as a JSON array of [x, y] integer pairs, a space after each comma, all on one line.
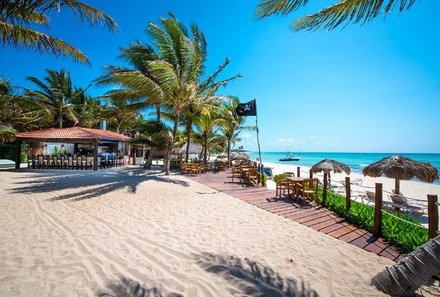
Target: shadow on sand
[[130, 288], [90, 184], [250, 278]]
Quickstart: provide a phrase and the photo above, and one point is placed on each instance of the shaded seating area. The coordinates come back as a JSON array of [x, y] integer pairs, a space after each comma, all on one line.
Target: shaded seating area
[[71, 148]]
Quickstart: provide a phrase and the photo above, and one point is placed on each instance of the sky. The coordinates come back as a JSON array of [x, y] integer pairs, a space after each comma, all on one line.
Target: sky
[[369, 88]]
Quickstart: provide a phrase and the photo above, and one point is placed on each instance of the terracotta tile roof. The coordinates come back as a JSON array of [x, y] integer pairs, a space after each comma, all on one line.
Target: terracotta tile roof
[[73, 133]]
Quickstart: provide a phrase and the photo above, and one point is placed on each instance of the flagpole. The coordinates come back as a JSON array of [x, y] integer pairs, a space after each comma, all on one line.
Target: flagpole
[[258, 138]]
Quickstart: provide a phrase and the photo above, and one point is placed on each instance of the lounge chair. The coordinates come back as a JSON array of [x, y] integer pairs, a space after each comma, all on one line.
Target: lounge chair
[[400, 202]]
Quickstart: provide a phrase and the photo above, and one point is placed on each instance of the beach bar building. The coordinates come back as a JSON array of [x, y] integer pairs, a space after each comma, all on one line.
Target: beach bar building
[[74, 147]]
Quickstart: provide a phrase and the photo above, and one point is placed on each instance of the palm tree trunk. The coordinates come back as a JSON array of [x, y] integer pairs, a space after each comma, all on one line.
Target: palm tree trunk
[[188, 140], [60, 120], [167, 158], [229, 152], [205, 152], [159, 115]]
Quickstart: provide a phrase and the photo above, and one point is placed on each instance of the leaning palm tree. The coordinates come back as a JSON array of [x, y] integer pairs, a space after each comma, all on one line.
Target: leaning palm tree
[[174, 76], [345, 11], [207, 127], [19, 20], [55, 93]]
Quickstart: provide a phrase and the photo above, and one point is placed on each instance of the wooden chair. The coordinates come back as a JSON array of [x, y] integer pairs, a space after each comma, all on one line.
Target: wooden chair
[[251, 177], [281, 185], [309, 188]]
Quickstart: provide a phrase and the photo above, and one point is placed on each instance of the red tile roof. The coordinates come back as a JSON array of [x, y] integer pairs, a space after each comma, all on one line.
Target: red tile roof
[[73, 134]]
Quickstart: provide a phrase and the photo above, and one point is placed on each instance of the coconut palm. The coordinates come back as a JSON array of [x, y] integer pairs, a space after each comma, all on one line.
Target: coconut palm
[[134, 82], [207, 126], [17, 112], [345, 11], [121, 109], [174, 76], [55, 93], [19, 20]]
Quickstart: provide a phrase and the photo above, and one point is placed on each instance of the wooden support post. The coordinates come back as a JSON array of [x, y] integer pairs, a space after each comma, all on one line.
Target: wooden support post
[[262, 175], [298, 171], [432, 216], [95, 155], [347, 193], [324, 190], [310, 174], [397, 186], [17, 154], [378, 211]]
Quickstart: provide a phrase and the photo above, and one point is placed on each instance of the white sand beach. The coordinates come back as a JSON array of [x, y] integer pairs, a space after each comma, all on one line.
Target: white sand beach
[[78, 233]]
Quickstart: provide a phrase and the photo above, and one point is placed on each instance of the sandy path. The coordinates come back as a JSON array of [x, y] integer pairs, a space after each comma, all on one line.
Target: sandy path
[[74, 233]]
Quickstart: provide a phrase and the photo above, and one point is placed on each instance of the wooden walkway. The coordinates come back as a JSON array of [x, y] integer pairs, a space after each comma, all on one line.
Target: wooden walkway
[[304, 212]]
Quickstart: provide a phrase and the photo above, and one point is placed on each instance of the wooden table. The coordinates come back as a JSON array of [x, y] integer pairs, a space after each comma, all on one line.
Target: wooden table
[[296, 182]]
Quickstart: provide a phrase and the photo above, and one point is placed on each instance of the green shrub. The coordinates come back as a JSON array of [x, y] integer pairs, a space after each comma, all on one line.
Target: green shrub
[[263, 180], [402, 234], [279, 177]]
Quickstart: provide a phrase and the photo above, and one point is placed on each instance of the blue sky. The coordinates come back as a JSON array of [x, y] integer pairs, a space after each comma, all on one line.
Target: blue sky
[[370, 88]]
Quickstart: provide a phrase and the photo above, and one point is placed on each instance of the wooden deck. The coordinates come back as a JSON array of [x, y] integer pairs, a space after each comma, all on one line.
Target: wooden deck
[[304, 212]]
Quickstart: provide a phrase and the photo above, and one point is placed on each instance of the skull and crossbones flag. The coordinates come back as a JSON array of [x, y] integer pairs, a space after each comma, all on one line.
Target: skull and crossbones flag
[[247, 109]]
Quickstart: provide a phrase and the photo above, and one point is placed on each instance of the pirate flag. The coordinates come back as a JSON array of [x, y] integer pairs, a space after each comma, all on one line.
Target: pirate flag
[[247, 109]]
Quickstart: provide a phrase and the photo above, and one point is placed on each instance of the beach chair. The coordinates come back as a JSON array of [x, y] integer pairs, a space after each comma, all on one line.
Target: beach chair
[[402, 203], [370, 197]]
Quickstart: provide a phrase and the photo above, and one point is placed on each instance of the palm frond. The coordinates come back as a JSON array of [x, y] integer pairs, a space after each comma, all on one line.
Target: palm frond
[[266, 8], [21, 37], [350, 11], [84, 11]]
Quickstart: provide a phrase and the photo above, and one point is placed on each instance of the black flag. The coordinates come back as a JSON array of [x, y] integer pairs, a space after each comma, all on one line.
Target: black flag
[[247, 109]]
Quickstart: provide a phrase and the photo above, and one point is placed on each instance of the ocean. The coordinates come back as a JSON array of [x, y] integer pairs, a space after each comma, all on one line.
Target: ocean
[[356, 161]]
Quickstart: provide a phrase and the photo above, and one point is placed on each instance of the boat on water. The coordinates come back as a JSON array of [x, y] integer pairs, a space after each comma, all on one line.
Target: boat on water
[[289, 157]]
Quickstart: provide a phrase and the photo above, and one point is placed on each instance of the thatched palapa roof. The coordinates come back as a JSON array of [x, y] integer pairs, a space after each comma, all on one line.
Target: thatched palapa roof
[[328, 165], [402, 168]]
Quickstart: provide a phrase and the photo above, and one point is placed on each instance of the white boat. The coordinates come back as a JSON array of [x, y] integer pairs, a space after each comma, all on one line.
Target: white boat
[[289, 157]]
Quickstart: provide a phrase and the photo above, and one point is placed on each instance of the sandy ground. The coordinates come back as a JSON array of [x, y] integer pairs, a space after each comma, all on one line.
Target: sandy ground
[[79, 233]]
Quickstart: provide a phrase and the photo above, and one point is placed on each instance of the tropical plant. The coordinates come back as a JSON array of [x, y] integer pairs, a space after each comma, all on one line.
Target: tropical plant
[[17, 112], [346, 11], [88, 110], [157, 136], [121, 110], [173, 71], [206, 131], [55, 93], [19, 20]]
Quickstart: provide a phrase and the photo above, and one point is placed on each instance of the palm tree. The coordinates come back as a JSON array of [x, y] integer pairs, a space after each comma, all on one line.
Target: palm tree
[[350, 11], [231, 125], [172, 74], [206, 132], [17, 112], [18, 20], [55, 93], [122, 109]]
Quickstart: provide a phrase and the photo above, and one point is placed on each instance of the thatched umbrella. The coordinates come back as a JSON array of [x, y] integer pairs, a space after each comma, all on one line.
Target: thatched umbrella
[[239, 156], [328, 165], [399, 167]]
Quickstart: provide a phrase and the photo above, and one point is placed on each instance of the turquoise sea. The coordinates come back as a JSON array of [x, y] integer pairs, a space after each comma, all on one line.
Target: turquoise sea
[[356, 161]]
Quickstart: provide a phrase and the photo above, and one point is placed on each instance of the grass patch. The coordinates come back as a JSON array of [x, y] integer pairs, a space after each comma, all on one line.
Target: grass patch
[[406, 236]]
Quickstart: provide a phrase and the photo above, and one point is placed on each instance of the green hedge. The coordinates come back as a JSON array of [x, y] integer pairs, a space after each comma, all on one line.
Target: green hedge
[[406, 236]]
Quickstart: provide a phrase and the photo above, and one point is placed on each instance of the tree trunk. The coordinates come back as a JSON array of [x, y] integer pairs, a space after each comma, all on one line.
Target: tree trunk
[[188, 141], [149, 160], [60, 120], [167, 158], [158, 112], [205, 149], [229, 152], [407, 275]]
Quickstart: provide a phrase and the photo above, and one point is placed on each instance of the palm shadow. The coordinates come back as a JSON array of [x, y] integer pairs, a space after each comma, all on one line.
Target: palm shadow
[[130, 288], [88, 184], [251, 278]]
